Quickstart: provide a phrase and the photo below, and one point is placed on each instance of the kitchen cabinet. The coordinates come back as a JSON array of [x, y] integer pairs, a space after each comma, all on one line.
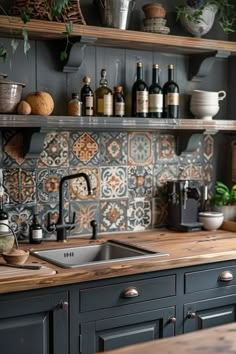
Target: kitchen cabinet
[[33, 323]]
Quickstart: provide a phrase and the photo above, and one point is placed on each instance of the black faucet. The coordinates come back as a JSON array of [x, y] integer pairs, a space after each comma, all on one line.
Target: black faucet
[[61, 226]]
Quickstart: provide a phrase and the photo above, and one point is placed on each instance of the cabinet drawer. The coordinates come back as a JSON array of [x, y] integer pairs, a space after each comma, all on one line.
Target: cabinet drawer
[[126, 293], [210, 279]]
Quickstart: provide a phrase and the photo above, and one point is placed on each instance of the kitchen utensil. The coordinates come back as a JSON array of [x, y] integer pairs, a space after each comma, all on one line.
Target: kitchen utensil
[[16, 256], [23, 266], [115, 13], [10, 95]]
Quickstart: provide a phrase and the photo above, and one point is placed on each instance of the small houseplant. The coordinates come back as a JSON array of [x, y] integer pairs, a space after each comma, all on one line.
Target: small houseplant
[[224, 200], [200, 14]]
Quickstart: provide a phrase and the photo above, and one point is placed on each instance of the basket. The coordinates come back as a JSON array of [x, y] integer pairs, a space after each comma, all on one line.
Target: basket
[[41, 10]]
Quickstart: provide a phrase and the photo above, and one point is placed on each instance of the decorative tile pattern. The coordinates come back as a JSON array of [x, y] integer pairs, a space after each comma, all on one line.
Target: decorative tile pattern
[[20, 218], [113, 148], [48, 181], [113, 215], [140, 148], [56, 150], [139, 214], [140, 181], [159, 212], [20, 185], [162, 174], [208, 147], [49, 213], [78, 187], [190, 172], [166, 147], [84, 148], [114, 182], [85, 212]]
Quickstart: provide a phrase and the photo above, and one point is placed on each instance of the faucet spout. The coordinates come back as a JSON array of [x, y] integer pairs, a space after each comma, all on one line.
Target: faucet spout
[[61, 225]]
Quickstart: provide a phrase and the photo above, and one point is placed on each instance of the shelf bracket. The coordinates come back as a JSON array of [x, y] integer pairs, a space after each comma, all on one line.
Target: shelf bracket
[[201, 64], [186, 144], [33, 143], [76, 55]]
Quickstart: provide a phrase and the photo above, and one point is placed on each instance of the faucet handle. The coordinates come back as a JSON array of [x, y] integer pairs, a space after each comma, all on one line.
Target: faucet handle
[[94, 226], [72, 223]]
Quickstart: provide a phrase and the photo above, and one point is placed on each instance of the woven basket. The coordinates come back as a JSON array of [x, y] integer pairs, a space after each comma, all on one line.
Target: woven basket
[[41, 10]]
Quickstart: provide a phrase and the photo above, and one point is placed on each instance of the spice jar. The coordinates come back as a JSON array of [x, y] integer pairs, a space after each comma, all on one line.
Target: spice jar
[[74, 105]]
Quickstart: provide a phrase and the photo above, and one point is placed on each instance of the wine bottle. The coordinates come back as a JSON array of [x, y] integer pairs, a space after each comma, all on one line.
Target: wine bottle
[[104, 97], [119, 102], [155, 97], [139, 95], [86, 95], [171, 95]]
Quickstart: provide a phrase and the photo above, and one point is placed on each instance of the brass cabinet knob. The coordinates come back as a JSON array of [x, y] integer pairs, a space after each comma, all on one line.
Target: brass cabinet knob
[[130, 292], [226, 276], [63, 305], [191, 315], [172, 319]]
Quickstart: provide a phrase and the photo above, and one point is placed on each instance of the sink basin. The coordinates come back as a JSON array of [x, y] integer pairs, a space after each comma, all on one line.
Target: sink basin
[[110, 251]]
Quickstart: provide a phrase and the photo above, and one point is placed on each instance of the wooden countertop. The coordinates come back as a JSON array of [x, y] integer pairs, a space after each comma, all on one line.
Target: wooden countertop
[[185, 249], [221, 340]]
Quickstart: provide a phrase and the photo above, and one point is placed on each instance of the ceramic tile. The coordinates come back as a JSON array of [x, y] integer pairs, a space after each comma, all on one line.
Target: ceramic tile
[[140, 181], [113, 148], [208, 147], [84, 148], [165, 148], [162, 174], [20, 185], [113, 215], [78, 187], [20, 218], [48, 181], [139, 214], [140, 148], [85, 212], [48, 214], [114, 182], [56, 150], [190, 172], [195, 157]]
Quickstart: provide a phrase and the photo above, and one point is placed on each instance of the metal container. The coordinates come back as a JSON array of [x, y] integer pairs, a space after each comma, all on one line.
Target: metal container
[[10, 95], [115, 13]]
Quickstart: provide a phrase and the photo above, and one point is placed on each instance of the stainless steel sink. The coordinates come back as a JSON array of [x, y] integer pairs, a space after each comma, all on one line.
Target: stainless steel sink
[[110, 251]]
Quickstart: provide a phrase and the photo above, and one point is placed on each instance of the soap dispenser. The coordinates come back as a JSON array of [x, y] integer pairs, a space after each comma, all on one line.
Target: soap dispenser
[[36, 231]]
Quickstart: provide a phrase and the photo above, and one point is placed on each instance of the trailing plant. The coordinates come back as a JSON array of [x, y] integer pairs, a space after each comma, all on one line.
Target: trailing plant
[[226, 12], [54, 11], [223, 195]]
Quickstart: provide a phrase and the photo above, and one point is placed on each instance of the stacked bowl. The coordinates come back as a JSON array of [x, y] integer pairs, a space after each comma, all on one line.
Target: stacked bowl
[[154, 20], [205, 104]]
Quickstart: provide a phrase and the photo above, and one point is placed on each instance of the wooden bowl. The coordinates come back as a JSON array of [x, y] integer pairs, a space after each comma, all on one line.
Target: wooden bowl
[[154, 9], [16, 256]]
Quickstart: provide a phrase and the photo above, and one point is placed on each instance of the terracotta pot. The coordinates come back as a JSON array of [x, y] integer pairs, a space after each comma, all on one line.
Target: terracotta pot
[[154, 10]]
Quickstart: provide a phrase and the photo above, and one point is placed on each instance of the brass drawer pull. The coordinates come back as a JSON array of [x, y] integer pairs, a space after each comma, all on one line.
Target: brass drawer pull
[[226, 276], [129, 293]]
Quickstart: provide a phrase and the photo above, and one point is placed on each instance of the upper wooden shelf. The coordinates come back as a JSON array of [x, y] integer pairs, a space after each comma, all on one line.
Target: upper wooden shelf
[[110, 37]]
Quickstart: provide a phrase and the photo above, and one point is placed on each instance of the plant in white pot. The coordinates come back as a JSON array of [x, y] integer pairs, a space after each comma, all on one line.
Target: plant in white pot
[[224, 200], [197, 16]]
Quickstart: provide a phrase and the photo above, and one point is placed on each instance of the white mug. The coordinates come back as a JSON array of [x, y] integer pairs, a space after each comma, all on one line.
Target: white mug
[[200, 95]]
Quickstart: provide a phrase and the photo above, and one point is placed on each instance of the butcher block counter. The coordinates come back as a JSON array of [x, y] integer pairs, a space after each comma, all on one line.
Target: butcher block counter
[[184, 249], [221, 340]]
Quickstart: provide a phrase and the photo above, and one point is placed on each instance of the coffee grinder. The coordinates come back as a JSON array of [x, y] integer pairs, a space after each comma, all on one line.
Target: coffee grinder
[[184, 199]]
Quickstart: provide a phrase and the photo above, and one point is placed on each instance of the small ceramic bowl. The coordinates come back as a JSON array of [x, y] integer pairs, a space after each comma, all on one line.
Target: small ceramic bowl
[[154, 9], [211, 220], [16, 256]]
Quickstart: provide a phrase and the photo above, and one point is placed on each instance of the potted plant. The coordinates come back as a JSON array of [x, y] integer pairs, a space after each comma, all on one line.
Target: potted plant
[[198, 16], [224, 200]]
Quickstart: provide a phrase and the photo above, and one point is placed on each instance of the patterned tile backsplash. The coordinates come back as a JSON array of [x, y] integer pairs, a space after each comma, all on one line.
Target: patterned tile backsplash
[[128, 173]]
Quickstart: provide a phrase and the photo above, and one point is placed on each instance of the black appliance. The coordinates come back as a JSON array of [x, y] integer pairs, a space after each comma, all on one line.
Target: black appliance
[[184, 199]]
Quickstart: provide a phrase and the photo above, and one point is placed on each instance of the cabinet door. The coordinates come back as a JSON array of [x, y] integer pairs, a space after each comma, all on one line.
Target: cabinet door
[[34, 325], [116, 332], [209, 313]]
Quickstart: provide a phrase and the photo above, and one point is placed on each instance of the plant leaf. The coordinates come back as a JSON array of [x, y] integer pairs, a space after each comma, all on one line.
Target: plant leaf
[[3, 52], [14, 45], [26, 41]]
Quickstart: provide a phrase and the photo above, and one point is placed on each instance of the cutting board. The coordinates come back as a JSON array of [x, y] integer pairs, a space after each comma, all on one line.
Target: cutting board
[[14, 273]]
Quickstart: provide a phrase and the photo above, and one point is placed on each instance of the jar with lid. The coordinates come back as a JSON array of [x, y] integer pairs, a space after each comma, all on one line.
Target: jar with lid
[[74, 105], [119, 102], [36, 231]]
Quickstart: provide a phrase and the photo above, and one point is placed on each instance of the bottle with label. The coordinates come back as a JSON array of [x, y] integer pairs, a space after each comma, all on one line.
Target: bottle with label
[[140, 95], [74, 105], [171, 95], [36, 231], [155, 98], [3, 221], [119, 102], [104, 97], [86, 96]]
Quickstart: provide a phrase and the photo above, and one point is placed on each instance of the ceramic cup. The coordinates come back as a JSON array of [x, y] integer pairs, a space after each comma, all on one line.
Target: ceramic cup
[[207, 97]]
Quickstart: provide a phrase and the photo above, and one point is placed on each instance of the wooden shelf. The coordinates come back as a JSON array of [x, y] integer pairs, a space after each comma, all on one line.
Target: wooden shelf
[[48, 123], [46, 30]]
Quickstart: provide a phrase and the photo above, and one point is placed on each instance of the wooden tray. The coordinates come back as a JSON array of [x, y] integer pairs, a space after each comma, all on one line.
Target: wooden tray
[[229, 225]]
